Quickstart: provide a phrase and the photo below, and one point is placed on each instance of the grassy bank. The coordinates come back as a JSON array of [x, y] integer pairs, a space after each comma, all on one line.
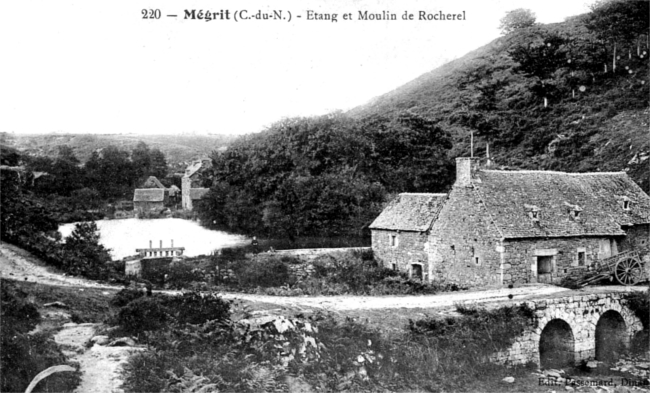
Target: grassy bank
[[351, 272], [25, 351], [317, 353]]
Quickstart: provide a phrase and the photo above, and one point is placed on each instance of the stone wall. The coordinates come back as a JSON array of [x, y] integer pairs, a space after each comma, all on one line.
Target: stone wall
[[410, 249], [582, 314], [306, 256], [463, 241], [638, 238], [309, 254], [146, 206], [133, 268], [186, 201], [521, 257]]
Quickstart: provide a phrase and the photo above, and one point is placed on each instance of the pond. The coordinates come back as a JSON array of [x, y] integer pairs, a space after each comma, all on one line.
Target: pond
[[122, 237]]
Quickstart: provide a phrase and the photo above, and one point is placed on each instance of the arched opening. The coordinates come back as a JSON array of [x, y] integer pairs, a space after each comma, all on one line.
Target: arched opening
[[610, 337], [556, 345]]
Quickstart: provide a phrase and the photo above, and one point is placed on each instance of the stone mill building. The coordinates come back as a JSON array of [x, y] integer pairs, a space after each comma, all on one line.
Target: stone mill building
[[193, 182], [501, 227]]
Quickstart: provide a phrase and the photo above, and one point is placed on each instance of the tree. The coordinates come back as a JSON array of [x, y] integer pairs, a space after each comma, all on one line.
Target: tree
[[539, 60], [619, 22], [8, 155], [141, 159], [158, 165], [517, 19], [84, 255], [408, 153]]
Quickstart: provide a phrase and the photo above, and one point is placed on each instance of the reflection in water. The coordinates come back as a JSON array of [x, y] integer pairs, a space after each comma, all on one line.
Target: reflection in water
[[124, 236]]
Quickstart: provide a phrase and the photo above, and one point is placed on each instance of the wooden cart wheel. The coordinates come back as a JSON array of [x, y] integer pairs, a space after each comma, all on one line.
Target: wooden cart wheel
[[628, 271]]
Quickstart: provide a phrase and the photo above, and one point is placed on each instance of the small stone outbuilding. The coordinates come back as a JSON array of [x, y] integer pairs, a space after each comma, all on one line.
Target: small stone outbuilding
[[147, 199], [400, 233], [502, 227]]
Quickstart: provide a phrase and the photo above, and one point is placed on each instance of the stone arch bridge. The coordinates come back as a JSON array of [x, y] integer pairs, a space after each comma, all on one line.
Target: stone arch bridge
[[569, 329]]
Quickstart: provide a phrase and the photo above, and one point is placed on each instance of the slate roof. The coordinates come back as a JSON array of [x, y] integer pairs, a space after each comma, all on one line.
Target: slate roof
[[510, 195], [149, 195], [152, 182], [198, 193], [195, 166], [410, 212]]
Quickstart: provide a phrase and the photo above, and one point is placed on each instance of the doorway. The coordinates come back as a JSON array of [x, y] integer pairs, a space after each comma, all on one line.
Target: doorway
[[416, 271]]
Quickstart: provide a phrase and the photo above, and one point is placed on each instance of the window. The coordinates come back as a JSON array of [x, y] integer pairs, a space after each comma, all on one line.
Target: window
[[626, 205], [394, 266], [393, 240], [477, 260], [576, 214], [581, 258], [533, 212]]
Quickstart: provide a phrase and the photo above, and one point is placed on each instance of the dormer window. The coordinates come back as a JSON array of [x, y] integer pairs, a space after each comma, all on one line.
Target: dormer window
[[533, 212], [624, 202], [575, 211]]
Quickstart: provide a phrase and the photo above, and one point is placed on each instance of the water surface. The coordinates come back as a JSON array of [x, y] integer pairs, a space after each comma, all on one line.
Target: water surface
[[124, 236]]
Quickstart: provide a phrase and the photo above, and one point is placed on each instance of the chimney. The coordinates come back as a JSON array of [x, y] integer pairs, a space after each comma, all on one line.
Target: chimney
[[487, 154], [161, 244], [150, 245], [172, 243], [465, 170]]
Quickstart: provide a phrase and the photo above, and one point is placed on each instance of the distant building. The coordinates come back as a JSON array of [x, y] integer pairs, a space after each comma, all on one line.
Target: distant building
[[151, 260], [146, 199], [193, 181], [152, 182]]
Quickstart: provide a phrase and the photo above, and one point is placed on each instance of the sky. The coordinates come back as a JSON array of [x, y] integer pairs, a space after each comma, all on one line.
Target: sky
[[99, 67]]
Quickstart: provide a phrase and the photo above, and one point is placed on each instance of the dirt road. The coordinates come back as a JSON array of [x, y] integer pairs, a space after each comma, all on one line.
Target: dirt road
[[19, 264]]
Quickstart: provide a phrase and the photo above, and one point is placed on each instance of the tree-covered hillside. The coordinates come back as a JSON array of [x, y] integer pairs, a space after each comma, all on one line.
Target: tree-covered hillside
[[569, 96], [324, 176], [179, 149], [546, 96]]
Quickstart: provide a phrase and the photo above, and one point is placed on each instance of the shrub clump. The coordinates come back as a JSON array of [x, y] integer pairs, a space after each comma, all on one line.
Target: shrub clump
[[479, 331], [197, 308], [126, 296], [142, 314], [263, 272]]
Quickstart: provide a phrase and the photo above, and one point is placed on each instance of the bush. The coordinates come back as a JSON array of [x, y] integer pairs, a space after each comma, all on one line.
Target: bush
[[181, 276], [479, 331], [639, 302], [142, 314], [23, 355], [197, 308], [126, 296], [17, 315], [267, 272]]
